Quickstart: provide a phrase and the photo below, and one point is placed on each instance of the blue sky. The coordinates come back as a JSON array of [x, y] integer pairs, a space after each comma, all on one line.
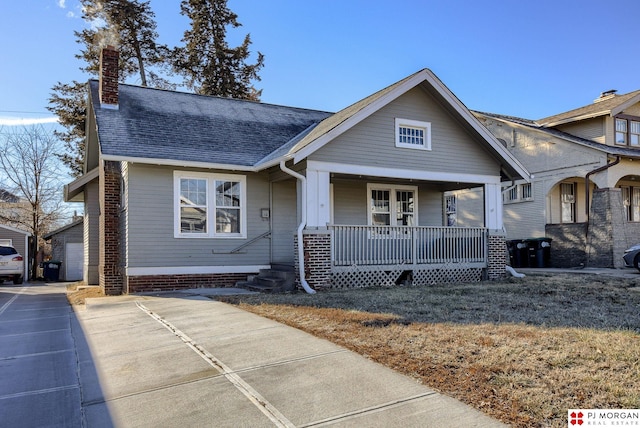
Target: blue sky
[[523, 58]]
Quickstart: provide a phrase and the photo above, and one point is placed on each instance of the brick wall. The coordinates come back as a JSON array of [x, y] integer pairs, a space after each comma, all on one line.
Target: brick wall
[[109, 76], [317, 259], [109, 268], [497, 257], [568, 244], [137, 284]]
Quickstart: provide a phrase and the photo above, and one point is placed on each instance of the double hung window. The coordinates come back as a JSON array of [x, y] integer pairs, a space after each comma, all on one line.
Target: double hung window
[[568, 202], [519, 193], [631, 202], [627, 132], [209, 205], [392, 205]]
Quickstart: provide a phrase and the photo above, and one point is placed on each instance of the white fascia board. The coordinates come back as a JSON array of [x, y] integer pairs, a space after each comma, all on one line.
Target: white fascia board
[[359, 116], [575, 118], [192, 270], [75, 187], [13, 229], [408, 174], [464, 112], [179, 163], [424, 75]]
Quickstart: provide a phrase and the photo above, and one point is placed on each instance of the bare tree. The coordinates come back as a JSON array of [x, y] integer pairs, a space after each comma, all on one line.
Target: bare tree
[[31, 171]]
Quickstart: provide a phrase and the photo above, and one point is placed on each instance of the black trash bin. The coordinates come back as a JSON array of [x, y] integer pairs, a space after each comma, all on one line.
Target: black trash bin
[[539, 252], [51, 270], [518, 253]]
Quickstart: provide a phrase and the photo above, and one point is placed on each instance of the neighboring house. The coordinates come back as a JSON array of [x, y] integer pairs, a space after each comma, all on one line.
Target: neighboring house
[[182, 190], [14, 211], [18, 239], [67, 246], [585, 191]]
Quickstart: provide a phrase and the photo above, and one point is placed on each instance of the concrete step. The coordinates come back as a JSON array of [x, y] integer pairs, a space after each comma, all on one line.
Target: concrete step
[[272, 280]]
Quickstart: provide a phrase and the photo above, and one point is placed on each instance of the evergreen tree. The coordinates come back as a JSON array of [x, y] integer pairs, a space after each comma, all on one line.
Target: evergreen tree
[[130, 26], [209, 65]]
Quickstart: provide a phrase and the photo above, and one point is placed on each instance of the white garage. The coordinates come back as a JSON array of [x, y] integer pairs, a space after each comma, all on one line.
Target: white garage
[[67, 247], [73, 261]]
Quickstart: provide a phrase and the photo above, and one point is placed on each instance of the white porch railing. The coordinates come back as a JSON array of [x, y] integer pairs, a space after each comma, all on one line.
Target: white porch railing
[[393, 245]]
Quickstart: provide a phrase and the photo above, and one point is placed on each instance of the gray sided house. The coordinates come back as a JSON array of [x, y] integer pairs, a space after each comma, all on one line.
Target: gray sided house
[[67, 246], [18, 239], [182, 190], [585, 188]]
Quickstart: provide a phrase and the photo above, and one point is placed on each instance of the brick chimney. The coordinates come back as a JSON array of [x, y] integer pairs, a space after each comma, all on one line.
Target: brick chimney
[[109, 77]]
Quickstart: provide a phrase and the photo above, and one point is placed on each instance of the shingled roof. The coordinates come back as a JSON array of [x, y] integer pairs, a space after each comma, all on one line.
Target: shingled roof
[[608, 106], [155, 124]]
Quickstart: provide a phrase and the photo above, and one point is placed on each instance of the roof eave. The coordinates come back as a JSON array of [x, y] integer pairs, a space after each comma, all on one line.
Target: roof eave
[[72, 190], [420, 77], [574, 119], [180, 163]]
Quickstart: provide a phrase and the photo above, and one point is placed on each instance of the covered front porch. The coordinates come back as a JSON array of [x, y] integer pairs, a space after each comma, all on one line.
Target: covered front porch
[[374, 230]]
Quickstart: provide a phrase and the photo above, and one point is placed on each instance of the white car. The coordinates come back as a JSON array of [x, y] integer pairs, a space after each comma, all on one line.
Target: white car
[[11, 265]]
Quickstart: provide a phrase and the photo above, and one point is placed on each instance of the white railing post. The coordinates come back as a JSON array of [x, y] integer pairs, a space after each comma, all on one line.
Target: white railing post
[[393, 245]]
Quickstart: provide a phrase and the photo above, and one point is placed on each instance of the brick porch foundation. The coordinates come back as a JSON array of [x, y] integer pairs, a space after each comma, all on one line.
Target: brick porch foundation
[[497, 257], [144, 283]]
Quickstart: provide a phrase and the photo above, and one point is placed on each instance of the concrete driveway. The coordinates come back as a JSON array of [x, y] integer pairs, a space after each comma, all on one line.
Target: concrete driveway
[[183, 360], [39, 383]]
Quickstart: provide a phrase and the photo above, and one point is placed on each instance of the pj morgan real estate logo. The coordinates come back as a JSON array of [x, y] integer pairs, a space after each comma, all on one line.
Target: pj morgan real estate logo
[[603, 418]]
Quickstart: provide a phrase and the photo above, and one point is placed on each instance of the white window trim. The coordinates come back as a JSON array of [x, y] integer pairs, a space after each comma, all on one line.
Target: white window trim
[[392, 200], [211, 220], [519, 194], [426, 126]]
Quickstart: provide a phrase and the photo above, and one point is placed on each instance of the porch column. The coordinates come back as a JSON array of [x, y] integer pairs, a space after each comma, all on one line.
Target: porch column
[[318, 199], [606, 237], [493, 206], [497, 255]]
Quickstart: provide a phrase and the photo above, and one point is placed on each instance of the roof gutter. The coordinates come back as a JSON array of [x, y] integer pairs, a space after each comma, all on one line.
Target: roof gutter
[[301, 226], [589, 174]]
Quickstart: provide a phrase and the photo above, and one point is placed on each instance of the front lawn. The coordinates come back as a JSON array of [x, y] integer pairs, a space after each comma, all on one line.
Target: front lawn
[[521, 350]]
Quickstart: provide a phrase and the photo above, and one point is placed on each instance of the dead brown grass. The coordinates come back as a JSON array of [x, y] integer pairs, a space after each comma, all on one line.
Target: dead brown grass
[[77, 293], [526, 372]]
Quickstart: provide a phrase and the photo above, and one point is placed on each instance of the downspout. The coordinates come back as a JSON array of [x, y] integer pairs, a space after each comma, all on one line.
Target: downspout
[[301, 226], [508, 268], [586, 181]]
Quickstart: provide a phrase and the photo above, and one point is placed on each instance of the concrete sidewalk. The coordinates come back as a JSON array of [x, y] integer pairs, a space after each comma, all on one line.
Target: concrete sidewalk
[[184, 360]]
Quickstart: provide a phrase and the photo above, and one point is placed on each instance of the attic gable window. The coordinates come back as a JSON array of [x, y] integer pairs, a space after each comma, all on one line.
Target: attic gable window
[[209, 205], [413, 134]]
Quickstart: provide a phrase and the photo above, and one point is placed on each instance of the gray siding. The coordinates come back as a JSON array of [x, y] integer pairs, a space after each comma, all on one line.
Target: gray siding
[[17, 240], [526, 219], [150, 223], [372, 142], [91, 233], [350, 202], [470, 207], [284, 221]]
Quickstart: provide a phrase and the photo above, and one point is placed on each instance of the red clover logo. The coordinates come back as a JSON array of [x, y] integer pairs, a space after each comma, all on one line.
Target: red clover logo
[[576, 418]]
